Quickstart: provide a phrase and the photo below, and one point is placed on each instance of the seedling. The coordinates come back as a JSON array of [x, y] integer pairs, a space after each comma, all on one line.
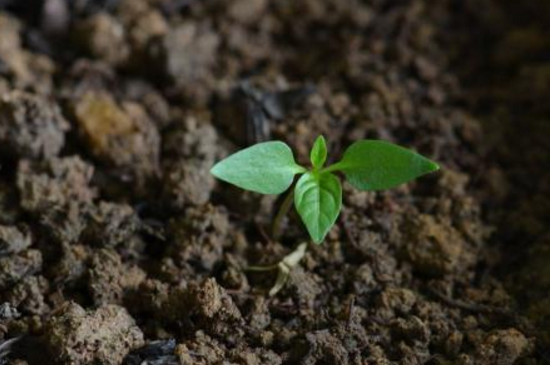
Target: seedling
[[270, 168]]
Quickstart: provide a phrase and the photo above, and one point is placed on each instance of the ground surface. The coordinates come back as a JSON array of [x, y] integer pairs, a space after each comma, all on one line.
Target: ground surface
[[117, 246]]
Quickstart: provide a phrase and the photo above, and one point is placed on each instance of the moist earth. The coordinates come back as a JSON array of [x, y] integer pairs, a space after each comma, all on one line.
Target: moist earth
[[118, 247]]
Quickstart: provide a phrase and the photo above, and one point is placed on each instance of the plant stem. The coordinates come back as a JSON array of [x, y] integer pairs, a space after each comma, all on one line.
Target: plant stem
[[286, 265], [283, 267], [283, 210]]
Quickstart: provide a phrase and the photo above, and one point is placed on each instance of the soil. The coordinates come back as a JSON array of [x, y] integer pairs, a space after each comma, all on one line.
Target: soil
[[118, 247]]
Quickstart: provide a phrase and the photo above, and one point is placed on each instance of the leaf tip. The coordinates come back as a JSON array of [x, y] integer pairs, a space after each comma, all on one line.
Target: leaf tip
[[318, 154], [214, 170], [321, 139], [433, 166]]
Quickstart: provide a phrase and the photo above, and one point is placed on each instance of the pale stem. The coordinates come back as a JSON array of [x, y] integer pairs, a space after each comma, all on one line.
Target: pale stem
[[283, 267], [286, 265]]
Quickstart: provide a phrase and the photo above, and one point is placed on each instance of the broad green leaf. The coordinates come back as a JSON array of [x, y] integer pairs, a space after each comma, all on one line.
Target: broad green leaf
[[318, 199], [378, 165], [318, 154], [266, 168]]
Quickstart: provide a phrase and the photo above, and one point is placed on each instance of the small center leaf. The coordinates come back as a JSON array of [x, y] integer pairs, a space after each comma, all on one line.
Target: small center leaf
[[318, 200], [266, 168], [318, 153]]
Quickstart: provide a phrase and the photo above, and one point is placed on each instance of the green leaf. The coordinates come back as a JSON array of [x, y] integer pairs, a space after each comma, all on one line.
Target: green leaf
[[318, 199], [318, 154], [266, 168], [378, 165]]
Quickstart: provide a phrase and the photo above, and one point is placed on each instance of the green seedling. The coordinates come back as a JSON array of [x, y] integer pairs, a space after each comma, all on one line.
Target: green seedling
[[270, 168]]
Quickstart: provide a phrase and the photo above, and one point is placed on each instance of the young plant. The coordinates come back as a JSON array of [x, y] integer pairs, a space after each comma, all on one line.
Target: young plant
[[269, 168]]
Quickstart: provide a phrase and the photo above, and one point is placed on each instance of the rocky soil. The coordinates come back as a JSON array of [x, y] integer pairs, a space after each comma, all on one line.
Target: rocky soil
[[118, 247]]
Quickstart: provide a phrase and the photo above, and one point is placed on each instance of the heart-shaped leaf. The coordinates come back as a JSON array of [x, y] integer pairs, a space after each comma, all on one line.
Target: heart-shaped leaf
[[378, 165], [318, 200], [266, 168]]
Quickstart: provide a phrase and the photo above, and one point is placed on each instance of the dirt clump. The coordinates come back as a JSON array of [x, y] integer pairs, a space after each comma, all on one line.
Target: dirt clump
[[122, 136], [56, 182], [189, 56], [13, 240], [325, 348], [29, 295], [118, 246], [191, 147], [106, 335], [199, 237], [502, 347], [30, 126], [209, 305], [103, 36], [16, 267], [434, 248], [204, 350], [109, 278], [110, 224], [26, 70]]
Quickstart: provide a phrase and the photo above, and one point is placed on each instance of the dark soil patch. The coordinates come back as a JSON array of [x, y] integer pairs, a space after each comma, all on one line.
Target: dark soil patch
[[117, 245]]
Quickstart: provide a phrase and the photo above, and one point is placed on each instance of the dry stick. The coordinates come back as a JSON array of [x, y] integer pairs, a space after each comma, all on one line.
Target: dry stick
[[283, 210]]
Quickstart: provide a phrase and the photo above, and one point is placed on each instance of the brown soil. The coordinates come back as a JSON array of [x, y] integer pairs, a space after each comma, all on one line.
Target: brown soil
[[118, 247]]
